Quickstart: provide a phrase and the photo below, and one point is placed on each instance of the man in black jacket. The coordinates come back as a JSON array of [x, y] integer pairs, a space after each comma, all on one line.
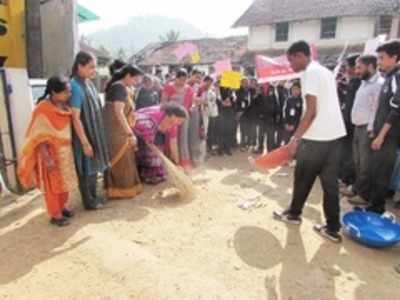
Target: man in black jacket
[[226, 121], [281, 94], [243, 117], [347, 169], [266, 108], [386, 131], [293, 110]]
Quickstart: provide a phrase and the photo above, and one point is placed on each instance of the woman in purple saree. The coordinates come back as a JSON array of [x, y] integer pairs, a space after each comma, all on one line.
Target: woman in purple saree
[[157, 125]]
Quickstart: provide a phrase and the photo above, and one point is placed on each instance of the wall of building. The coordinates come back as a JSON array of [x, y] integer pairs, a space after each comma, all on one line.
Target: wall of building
[[59, 36], [354, 30], [12, 43]]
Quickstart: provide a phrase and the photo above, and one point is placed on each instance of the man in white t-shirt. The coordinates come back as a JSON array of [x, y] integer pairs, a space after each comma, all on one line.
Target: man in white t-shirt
[[316, 143]]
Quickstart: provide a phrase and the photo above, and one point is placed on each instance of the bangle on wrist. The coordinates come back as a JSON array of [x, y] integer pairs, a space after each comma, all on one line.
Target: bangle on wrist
[[295, 139]]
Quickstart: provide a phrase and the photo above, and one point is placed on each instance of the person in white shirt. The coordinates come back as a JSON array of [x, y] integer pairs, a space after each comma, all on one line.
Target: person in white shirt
[[316, 142], [363, 116], [210, 113]]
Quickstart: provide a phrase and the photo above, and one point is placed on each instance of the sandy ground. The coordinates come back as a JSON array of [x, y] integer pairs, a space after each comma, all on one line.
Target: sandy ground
[[156, 247]]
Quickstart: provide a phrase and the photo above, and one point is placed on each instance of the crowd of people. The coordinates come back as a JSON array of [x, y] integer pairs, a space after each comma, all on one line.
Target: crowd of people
[[344, 130]]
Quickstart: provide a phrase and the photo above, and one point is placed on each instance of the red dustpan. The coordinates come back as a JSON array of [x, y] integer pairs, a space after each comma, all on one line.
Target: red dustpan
[[273, 159]]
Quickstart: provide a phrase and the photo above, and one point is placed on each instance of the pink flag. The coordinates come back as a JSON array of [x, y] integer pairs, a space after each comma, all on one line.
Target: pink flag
[[223, 65], [185, 49]]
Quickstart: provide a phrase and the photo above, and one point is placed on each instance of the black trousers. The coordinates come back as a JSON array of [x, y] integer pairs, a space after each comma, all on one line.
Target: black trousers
[[362, 154], [318, 159], [226, 130], [88, 190], [253, 129], [212, 133], [286, 136], [382, 166], [245, 131], [347, 170], [267, 131]]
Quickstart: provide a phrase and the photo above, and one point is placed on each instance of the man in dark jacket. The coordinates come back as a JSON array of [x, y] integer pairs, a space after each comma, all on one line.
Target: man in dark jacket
[[347, 170], [281, 94], [226, 121], [243, 117], [386, 130], [266, 108], [293, 110]]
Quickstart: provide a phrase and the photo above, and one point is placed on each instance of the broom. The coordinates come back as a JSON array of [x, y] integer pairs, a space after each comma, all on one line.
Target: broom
[[175, 175]]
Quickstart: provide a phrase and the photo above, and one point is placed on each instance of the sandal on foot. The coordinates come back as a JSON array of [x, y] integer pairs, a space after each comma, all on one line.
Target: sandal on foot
[[67, 213], [62, 222]]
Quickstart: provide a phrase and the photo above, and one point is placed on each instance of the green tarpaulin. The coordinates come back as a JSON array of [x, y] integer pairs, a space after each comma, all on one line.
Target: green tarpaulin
[[86, 15]]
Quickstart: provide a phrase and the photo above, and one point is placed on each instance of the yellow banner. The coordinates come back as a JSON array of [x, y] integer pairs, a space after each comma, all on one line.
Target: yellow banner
[[231, 79], [195, 57]]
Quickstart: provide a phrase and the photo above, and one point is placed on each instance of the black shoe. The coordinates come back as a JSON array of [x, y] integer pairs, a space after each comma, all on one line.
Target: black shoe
[[323, 231], [228, 152], [101, 200], [374, 210], [288, 218], [95, 207], [62, 222], [258, 151], [69, 214]]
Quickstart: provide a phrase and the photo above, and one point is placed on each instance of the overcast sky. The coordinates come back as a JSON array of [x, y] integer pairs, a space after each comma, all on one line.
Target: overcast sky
[[214, 17]]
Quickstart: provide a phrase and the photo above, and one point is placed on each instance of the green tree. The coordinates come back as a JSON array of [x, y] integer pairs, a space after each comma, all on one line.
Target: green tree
[[170, 36], [121, 54]]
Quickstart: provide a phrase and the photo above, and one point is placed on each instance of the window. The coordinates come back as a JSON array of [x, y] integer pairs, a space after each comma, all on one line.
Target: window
[[282, 32], [383, 25], [328, 28]]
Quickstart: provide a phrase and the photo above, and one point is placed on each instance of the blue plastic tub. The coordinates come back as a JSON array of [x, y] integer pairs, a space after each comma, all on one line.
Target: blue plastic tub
[[371, 229]]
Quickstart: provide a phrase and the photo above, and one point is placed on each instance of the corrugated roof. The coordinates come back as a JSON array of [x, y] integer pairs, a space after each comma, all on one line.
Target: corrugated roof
[[211, 50], [263, 12]]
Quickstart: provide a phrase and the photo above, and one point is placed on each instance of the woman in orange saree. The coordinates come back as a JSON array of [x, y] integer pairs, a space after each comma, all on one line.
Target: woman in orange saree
[[47, 159]]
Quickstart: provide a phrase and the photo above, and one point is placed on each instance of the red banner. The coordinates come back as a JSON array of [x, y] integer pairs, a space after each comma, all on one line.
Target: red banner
[[277, 68]]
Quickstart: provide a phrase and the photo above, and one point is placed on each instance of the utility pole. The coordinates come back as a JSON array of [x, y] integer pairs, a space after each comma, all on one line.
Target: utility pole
[[34, 38]]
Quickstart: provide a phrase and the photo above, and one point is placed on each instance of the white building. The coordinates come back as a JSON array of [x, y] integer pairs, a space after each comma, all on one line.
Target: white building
[[275, 24]]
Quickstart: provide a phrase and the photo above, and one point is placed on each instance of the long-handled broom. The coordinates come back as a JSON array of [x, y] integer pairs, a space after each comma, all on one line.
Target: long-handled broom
[[175, 175]]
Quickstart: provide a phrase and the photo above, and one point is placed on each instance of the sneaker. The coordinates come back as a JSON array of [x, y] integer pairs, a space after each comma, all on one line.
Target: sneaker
[[357, 200], [286, 217], [323, 231], [62, 222]]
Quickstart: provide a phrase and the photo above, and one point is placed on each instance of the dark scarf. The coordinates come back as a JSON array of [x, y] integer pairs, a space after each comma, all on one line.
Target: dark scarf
[[92, 120]]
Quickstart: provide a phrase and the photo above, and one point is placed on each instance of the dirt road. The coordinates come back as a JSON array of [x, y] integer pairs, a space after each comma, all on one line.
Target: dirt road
[[223, 244]]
